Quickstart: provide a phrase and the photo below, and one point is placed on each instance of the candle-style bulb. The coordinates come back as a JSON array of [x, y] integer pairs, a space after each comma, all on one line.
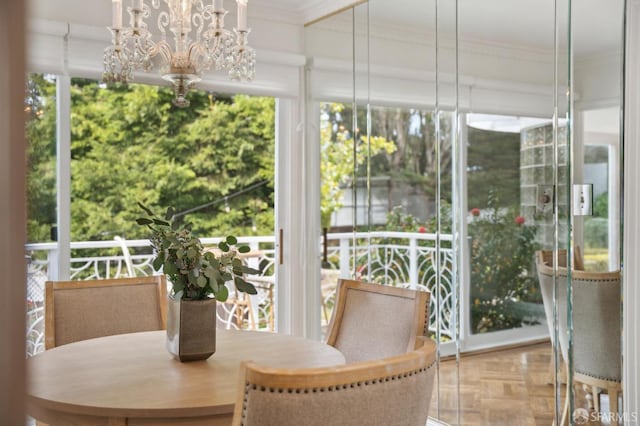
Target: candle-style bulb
[[242, 15], [116, 9]]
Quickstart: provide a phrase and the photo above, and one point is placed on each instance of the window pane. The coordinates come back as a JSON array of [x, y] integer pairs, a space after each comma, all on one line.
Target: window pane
[[507, 166]]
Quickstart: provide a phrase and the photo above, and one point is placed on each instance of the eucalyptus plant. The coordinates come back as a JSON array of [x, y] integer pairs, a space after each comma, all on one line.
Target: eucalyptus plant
[[196, 273]]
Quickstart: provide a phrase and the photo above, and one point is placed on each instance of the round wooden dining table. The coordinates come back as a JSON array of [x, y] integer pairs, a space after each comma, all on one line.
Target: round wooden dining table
[[130, 379]]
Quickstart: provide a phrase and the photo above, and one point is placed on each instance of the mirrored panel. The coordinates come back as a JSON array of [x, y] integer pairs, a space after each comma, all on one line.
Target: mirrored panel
[[597, 47], [470, 126]]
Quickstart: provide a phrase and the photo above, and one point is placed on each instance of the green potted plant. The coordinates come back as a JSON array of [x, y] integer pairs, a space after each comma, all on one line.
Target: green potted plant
[[198, 277]]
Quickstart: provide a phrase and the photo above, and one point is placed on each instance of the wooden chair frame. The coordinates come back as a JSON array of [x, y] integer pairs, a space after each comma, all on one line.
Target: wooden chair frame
[[51, 286], [421, 308], [422, 357], [545, 259]]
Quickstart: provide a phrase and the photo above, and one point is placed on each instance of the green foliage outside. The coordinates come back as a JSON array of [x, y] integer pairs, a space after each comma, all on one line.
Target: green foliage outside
[[504, 288], [418, 157], [129, 144], [601, 205], [41, 157], [414, 161], [596, 228], [596, 235], [493, 159], [596, 232], [338, 160], [398, 220]]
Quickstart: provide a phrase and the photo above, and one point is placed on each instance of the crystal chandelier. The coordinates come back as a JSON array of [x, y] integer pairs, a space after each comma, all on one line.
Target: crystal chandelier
[[200, 42]]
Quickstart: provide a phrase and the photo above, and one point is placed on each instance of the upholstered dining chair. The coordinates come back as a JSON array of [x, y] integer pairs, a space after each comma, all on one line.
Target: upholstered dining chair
[[545, 259], [373, 321], [597, 334], [390, 391], [80, 310], [596, 326]]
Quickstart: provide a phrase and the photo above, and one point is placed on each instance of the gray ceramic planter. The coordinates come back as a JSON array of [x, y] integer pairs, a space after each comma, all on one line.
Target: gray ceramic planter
[[191, 329]]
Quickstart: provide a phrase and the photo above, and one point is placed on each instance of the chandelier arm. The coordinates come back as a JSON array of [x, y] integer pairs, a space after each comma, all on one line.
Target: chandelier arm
[[163, 22], [198, 55], [164, 50], [145, 12], [198, 22], [154, 48]]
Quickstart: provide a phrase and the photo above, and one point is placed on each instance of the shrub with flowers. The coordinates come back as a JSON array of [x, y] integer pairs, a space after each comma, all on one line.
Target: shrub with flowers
[[504, 290]]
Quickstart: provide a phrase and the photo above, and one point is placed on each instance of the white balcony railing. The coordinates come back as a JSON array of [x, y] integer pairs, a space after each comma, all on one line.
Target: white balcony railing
[[394, 258], [406, 259]]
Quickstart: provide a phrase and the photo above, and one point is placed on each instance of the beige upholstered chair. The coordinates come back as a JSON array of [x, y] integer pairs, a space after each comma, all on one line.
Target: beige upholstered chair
[[390, 391], [544, 265], [597, 334], [596, 325], [373, 321], [79, 310]]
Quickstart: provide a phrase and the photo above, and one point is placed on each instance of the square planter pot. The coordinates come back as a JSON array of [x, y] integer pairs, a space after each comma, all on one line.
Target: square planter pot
[[191, 328]]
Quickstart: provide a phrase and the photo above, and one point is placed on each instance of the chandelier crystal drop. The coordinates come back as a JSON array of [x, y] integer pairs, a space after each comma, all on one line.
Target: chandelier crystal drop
[[192, 39]]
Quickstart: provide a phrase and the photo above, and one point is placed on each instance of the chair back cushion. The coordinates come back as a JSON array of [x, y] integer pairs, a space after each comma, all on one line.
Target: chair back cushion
[[596, 315], [392, 391], [373, 321], [544, 265], [80, 310], [597, 330]]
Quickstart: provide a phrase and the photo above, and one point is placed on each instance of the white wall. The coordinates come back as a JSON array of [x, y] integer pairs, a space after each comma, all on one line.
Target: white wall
[[494, 77], [12, 214]]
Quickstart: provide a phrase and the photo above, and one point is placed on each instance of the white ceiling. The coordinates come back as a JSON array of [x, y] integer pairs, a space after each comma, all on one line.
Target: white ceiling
[[597, 23]]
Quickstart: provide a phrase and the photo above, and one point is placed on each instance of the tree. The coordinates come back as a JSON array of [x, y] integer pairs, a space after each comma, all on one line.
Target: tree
[[339, 162], [493, 165], [40, 132], [130, 144], [416, 161], [414, 166]]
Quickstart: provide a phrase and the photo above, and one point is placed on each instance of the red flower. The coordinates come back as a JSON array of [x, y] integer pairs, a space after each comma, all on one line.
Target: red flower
[[422, 229], [519, 220], [475, 212]]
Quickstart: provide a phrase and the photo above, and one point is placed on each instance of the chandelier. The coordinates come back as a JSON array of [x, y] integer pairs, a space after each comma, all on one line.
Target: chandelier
[[192, 39]]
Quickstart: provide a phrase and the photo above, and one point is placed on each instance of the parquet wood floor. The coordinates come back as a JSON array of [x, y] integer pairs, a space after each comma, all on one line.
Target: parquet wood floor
[[502, 388]]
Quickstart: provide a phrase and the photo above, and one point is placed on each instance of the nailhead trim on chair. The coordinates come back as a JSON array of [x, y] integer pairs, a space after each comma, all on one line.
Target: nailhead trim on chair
[[599, 377], [599, 281], [249, 386], [425, 328]]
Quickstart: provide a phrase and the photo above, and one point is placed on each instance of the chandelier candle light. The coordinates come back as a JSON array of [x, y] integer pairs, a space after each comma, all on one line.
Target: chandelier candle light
[[200, 42]]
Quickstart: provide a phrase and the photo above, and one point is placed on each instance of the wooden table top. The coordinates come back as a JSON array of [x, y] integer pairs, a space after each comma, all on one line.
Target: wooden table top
[[132, 375]]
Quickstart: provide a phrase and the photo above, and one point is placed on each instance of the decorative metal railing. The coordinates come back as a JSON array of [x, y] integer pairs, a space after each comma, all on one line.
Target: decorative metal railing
[[393, 258], [127, 258], [402, 259]]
